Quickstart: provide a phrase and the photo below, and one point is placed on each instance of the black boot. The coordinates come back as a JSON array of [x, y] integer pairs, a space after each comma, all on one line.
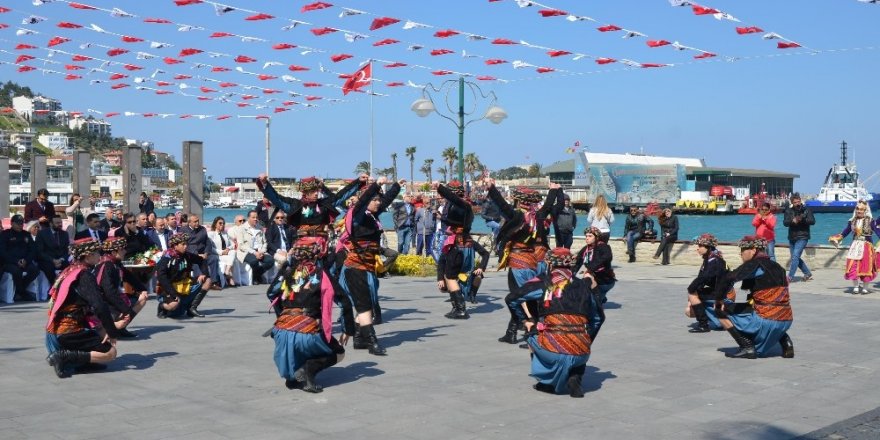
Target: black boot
[[510, 334], [702, 319], [193, 310], [459, 307], [368, 333], [746, 346], [787, 346], [632, 258], [359, 342], [377, 314], [454, 305], [161, 313], [475, 287], [62, 359], [311, 369], [125, 334], [575, 376]]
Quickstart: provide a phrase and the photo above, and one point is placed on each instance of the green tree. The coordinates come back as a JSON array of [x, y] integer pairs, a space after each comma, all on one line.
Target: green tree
[[362, 168], [535, 170], [394, 166], [449, 155], [411, 154], [472, 165], [426, 168], [510, 173], [444, 172]]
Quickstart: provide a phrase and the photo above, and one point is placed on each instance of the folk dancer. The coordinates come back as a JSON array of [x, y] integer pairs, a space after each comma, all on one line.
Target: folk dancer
[[456, 272], [569, 318], [180, 293], [523, 238], [75, 299], [860, 259], [596, 257], [304, 343], [701, 291], [110, 274], [358, 275], [758, 328]]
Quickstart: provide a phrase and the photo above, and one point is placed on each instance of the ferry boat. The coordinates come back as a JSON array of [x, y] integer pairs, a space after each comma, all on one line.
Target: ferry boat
[[842, 189]]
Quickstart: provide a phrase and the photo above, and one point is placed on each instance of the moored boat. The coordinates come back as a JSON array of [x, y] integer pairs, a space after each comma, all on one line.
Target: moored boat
[[842, 188]]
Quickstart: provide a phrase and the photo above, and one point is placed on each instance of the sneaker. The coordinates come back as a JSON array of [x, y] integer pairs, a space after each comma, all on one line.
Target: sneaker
[[865, 291], [808, 278], [854, 290]]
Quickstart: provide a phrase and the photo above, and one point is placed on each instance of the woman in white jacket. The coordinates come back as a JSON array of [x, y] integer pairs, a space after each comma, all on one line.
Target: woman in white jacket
[[601, 217], [224, 247]]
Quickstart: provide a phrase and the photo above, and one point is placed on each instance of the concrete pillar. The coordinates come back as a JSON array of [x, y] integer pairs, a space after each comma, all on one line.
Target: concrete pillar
[[39, 174], [131, 178], [193, 178], [4, 187], [82, 176]]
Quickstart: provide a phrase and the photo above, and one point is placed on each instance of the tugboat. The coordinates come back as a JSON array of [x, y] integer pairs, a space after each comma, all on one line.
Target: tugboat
[[842, 189]]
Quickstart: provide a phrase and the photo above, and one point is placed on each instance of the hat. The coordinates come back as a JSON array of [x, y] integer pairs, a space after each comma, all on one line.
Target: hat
[[113, 244], [795, 195], [560, 257], [526, 195], [309, 184], [31, 224], [593, 230], [456, 187], [752, 242], [178, 238], [17, 219], [566, 197], [706, 240], [84, 246]]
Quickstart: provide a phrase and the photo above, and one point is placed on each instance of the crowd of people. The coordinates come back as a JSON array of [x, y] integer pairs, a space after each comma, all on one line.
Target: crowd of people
[[323, 249]]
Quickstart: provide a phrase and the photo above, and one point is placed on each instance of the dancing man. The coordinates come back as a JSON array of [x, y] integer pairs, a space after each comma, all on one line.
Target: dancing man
[[757, 329], [111, 274], [174, 271], [523, 239], [71, 339], [701, 291]]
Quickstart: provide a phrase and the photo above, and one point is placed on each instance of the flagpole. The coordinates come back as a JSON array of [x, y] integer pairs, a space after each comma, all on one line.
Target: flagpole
[[371, 121]]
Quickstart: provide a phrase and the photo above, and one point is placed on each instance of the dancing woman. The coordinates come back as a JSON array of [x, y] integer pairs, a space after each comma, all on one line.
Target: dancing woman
[[701, 291], [596, 257], [860, 259]]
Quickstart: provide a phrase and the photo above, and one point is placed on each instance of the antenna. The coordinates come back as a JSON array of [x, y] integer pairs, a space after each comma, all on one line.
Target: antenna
[[843, 153]]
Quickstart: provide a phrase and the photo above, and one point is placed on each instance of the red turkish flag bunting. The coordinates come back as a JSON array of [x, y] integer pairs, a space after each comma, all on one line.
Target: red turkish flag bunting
[[436, 52], [445, 34], [398, 64], [186, 2], [220, 69], [132, 67], [206, 89], [395, 84], [749, 30], [130, 39], [244, 59], [382, 22], [242, 104], [494, 61], [650, 65], [80, 58], [264, 77], [117, 76], [247, 97], [551, 12], [340, 57], [323, 31], [23, 69], [205, 98], [157, 21], [358, 79], [148, 115], [786, 45], [164, 92], [503, 41], [68, 25], [58, 40], [220, 118], [271, 91], [163, 83], [704, 55], [702, 10], [73, 67], [81, 6], [282, 46], [169, 60], [386, 42], [314, 84], [608, 28], [111, 114], [23, 46], [315, 6], [182, 77], [116, 52], [295, 68], [4, 10], [545, 69], [289, 103], [486, 78], [72, 77], [657, 43], [221, 35], [558, 53], [280, 109], [441, 72], [604, 60], [260, 16], [188, 51], [118, 86], [313, 98], [22, 58], [228, 84]]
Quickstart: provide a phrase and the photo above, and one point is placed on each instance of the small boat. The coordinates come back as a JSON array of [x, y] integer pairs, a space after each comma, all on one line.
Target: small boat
[[842, 189], [752, 204]]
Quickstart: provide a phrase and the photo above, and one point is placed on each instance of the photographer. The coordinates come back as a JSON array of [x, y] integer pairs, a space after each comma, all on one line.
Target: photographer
[[798, 220]]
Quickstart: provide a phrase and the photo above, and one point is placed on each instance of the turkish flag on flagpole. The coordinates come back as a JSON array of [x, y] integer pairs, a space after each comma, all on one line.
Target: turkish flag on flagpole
[[358, 79]]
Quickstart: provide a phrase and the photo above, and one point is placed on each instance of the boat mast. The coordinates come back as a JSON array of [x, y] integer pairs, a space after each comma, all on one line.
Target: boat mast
[[843, 153]]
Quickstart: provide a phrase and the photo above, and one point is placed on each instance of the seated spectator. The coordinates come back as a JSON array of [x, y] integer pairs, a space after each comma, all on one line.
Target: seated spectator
[[172, 224], [136, 240], [278, 238], [113, 219], [93, 229], [17, 256], [633, 230], [224, 248], [52, 249], [159, 235], [252, 247], [199, 244]]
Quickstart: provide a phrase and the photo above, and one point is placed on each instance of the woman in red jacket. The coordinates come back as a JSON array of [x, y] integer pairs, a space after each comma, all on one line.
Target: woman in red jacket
[[765, 227]]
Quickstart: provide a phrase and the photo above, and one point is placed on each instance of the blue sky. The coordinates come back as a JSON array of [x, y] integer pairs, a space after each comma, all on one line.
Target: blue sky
[[753, 106]]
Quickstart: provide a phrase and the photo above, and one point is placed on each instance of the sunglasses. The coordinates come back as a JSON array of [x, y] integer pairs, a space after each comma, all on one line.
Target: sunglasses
[[239, 221], [279, 218]]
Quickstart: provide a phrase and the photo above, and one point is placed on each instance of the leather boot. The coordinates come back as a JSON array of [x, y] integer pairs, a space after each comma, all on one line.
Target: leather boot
[[454, 306], [369, 335], [575, 376], [459, 307], [746, 346], [702, 319], [62, 359], [787, 346], [377, 314], [359, 342], [311, 369], [475, 287], [193, 310], [510, 334]]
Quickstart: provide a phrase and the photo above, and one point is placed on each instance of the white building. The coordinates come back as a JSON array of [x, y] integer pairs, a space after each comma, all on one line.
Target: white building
[[22, 142], [38, 109], [91, 125], [99, 168], [57, 142]]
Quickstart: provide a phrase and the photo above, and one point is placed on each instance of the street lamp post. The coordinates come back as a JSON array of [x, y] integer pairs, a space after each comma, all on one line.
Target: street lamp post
[[424, 106], [268, 123]]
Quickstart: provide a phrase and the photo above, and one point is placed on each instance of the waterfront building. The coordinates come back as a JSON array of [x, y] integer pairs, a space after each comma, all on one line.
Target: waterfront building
[[97, 126], [56, 141]]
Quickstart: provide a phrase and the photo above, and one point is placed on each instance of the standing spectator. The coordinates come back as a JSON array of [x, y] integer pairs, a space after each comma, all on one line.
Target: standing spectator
[[252, 247], [160, 235], [145, 204], [425, 224], [632, 231], [17, 255], [93, 229], [492, 215], [263, 209], [77, 214], [404, 223], [198, 243], [52, 249], [798, 220], [40, 209], [765, 227], [564, 222], [668, 234], [601, 217]]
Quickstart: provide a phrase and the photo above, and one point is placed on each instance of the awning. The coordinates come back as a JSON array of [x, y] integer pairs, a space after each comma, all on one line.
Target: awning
[[231, 189]]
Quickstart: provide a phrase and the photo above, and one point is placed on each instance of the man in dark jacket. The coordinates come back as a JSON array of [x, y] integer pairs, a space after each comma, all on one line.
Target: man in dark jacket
[[633, 229], [52, 252], [145, 204], [798, 220], [404, 223], [160, 234], [200, 244], [279, 235], [564, 222], [136, 240], [40, 209], [93, 229], [17, 255]]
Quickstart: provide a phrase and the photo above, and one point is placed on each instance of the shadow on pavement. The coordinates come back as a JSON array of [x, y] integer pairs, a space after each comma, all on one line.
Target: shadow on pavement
[[593, 378], [145, 333], [395, 339], [392, 314], [483, 306], [137, 361], [342, 374], [612, 306]]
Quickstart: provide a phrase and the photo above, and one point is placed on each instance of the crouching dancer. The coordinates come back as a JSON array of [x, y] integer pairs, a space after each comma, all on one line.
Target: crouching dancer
[[701, 291], [110, 274], [179, 295], [758, 328], [304, 343], [75, 299], [569, 318]]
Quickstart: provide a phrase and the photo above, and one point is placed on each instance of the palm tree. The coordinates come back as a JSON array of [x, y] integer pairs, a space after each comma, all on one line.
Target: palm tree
[[411, 154], [362, 168], [394, 165], [535, 170], [443, 171], [449, 155], [472, 165], [427, 166]]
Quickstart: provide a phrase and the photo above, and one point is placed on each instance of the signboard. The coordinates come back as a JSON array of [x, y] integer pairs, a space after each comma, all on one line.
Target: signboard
[[636, 184]]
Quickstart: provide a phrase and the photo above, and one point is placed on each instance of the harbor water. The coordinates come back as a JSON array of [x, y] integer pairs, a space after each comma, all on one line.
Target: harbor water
[[727, 228]]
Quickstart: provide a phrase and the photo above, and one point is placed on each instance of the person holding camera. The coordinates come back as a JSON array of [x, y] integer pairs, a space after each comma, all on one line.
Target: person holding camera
[[798, 220]]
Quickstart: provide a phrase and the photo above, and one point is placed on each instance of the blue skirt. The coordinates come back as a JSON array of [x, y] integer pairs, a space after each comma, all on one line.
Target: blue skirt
[[553, 368], [764, 332], [293, 349]]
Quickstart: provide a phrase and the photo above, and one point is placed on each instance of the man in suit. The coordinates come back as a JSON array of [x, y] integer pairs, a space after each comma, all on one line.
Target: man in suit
[[93, 229], [40, 209], [145, 205], [252, 247], [201, 245], [52, 252], [136, 240], [160, 235], [278, 236], [17, 256], [113, 219]]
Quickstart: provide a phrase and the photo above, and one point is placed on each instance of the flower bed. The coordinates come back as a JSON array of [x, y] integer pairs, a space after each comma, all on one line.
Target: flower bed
[[415, 266]]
